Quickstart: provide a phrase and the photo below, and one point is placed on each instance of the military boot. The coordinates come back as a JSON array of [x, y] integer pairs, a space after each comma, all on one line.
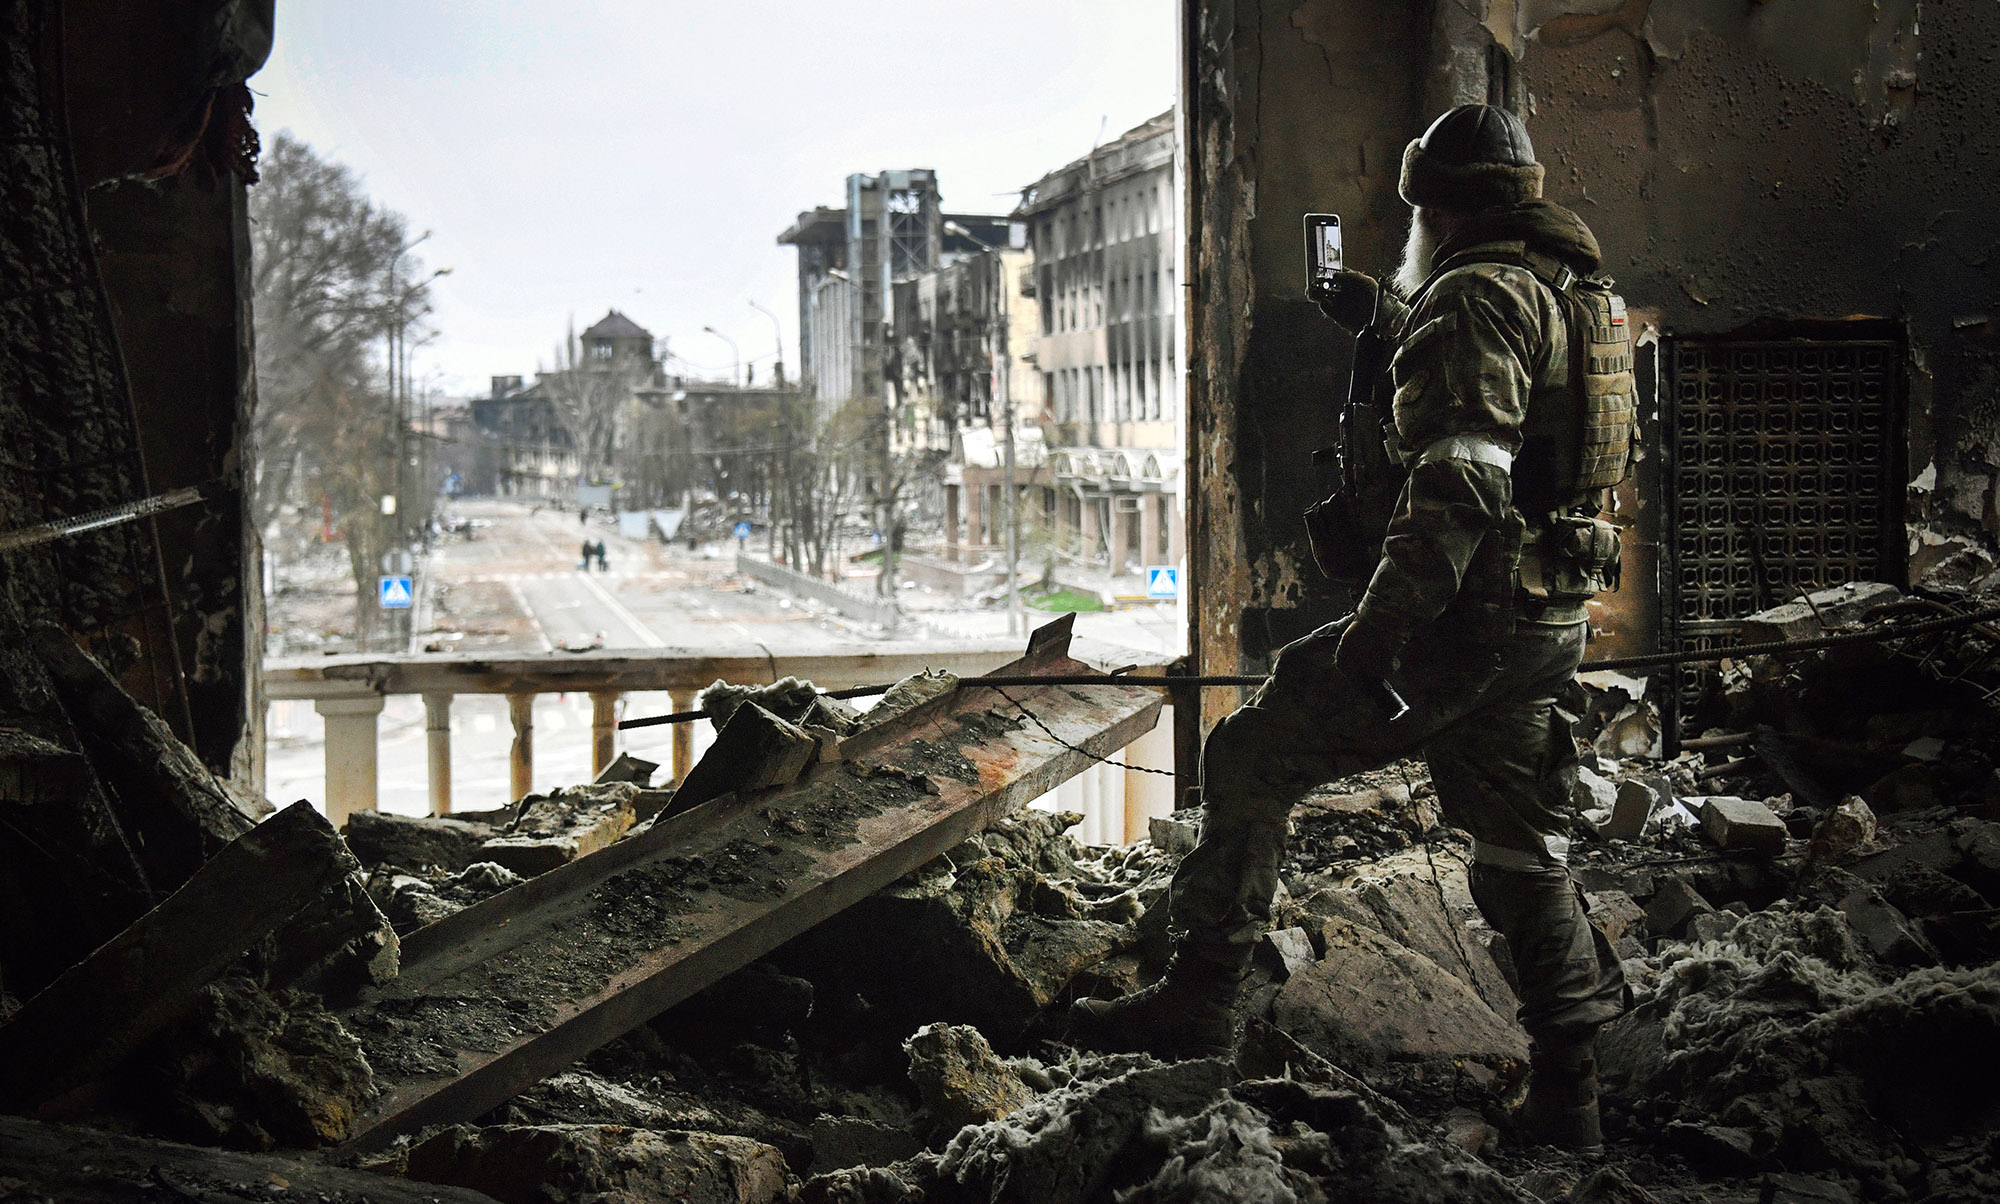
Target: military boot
[[1188, 1013], [1561, 1108]]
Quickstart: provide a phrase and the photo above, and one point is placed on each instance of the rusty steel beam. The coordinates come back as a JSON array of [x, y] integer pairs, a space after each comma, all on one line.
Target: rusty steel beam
[[495, 998]]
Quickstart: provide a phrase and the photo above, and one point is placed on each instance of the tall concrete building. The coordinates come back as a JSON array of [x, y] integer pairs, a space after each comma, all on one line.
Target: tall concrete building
[[1101, 230], [891, 228]]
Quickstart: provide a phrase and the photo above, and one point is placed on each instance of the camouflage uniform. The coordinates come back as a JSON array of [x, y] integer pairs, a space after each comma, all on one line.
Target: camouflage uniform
[[1482, 669]]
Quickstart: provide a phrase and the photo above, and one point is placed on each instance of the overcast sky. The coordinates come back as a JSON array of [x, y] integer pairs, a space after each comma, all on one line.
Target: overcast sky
[[574, 156]]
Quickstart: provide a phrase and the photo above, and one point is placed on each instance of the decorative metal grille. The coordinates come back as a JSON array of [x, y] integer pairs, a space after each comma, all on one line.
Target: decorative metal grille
[[1779, 478]]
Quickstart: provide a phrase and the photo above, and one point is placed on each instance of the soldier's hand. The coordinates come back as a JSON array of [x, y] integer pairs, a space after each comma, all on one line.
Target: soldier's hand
[[1348, 298], [1367, 652]]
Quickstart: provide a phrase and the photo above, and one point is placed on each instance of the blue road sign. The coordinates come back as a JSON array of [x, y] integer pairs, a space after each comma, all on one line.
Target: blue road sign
[[1163, 581], [742, 530], [395, 593]]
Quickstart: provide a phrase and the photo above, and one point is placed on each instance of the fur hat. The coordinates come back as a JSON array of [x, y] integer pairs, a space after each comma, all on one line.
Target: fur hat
[[1472, 158]]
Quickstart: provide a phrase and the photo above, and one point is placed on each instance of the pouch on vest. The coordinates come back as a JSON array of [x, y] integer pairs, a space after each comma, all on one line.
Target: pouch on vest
[[1572, 559]]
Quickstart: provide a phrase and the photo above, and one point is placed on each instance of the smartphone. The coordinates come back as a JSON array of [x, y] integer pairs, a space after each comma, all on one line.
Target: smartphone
[[1323, 260]]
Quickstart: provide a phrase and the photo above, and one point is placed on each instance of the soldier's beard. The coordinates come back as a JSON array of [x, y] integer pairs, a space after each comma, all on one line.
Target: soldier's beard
[[1419, 250]]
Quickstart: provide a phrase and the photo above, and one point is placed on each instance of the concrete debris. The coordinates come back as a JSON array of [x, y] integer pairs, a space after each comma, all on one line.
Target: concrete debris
[[555, 829], [1632, 809], [1370, 1001], [1176, 833], [605, 1164], [960, 1079], [1286, 951], [412, 901], [47, 1162], [1786, 1033], [256, 1069], [1673, 905], [1741, 825], [1818, 613], [149, 977], [789, 698], [1843, 832], [753, 750], [1593, 792], [997, 929], [407, 842], [627, 768]]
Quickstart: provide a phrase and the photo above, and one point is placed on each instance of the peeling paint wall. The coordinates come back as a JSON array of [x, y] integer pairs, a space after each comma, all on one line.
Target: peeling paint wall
[[1277, 126], [1742, 161]]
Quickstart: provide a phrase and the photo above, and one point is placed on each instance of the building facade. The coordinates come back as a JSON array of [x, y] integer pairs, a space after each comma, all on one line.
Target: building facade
[[1102, 234], [578, 420], [893, 227]]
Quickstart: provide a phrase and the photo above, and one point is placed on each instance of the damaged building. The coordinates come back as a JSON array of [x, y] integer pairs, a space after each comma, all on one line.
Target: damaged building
[[832, 959]]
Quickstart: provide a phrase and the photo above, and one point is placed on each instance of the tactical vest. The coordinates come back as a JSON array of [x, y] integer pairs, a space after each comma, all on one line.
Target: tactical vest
[[1578, 441]]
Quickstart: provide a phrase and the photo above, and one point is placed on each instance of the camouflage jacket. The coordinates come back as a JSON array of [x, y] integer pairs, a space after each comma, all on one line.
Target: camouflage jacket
[[1481, 339]]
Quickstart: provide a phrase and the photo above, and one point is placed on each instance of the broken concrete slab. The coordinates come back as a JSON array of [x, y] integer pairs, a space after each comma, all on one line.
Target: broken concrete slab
[[1410, 909], [145, 979], [753, 750], [1371, 1001], [607, 1164], [627, 768], [556, 829], [1592, 791], [839, 1142], [41, 1161], [997, 940], [960, 1079], [413, 842], [1285, 951], [1672, 905], [1620, 919], [1176, 833], [1818, 612], [1741, 825], [1632, 806], [1843, 832]]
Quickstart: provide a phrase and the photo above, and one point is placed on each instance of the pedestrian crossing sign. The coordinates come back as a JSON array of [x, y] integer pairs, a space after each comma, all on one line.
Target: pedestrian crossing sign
[[395, 593], [1163, 581]]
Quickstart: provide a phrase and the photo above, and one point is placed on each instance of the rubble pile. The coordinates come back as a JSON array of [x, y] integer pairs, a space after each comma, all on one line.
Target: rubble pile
[[1804, 898]]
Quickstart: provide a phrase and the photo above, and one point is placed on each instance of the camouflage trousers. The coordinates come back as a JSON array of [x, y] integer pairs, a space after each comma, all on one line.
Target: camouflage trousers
[[1484, 717]]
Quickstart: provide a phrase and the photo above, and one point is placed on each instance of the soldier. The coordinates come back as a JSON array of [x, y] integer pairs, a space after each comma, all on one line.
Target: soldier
[[1512, 413]]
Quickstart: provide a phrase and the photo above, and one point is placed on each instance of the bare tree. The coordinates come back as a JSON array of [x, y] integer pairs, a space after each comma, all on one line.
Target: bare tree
[[331, 279]]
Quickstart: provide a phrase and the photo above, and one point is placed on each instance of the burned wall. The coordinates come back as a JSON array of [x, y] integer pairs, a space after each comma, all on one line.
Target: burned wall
[[1747, 167], [1290, 109], [1756, 164]]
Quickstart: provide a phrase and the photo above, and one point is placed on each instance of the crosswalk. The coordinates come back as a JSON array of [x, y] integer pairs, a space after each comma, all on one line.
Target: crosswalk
[[558, 575]]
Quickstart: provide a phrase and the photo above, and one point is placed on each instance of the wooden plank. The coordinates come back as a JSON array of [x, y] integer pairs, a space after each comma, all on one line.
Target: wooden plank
[[141, 981], [499, 996]]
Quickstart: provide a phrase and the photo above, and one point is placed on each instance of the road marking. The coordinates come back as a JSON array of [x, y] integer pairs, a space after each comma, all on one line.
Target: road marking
[[534, 624], [625, 616]]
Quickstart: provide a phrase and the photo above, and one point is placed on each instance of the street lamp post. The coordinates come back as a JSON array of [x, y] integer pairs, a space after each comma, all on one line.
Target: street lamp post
[[777, 338], [1002, 383], [737, 372]]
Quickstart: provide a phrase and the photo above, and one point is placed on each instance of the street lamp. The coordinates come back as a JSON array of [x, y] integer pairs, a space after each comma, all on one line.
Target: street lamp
[[777, 336], [733, 350], [1003, 385]]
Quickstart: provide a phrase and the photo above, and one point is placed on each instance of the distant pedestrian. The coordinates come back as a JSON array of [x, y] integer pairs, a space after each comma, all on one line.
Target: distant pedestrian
[[584, 564], [602, 567], [583, 515]]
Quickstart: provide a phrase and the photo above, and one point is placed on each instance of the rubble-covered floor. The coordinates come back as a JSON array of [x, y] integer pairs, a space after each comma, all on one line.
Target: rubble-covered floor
[[1805, 903]]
